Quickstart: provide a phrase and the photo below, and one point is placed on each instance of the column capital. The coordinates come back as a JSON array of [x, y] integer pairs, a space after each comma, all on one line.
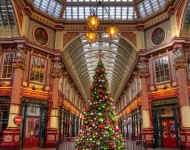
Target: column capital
[[20, 65], [143, 74], [56, 74], [180, 65]]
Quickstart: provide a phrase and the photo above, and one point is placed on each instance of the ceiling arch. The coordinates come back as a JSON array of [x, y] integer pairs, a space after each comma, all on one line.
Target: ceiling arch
[[80, 58]]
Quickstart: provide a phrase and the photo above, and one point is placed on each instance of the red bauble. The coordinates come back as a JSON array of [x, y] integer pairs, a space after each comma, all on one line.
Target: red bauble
[[87, 109], [100, 96], [116, 129], [92, 98], [110, 144], [105, 86], [96, 84]]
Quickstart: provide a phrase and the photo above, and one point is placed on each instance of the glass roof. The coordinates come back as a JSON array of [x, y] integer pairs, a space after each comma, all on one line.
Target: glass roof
[[81, 59], [187, 17], [107, 10], [49, 6], [116, 13], [6, 15], [147, 7]]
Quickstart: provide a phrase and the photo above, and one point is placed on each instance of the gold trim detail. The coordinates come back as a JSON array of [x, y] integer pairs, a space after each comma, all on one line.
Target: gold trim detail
[[143, 75], [180, 65], [17, 65], [56, 74]]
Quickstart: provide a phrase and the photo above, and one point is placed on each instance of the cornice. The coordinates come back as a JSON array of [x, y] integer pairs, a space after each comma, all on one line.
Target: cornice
[[27, 43]]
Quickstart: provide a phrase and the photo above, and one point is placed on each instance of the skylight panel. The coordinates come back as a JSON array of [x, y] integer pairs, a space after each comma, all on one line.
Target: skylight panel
[[51, 7], [147, 7], [109, 13]]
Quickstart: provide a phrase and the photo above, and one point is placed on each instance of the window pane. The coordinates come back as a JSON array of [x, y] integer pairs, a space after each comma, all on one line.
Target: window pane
[[161, 69], [37, 70]]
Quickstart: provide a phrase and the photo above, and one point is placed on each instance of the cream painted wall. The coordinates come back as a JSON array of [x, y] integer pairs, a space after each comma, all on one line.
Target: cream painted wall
[[51, 33], [148, 33]]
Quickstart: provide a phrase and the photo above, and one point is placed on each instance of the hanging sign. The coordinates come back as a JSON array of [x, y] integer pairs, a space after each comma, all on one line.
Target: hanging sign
[[18, 119]]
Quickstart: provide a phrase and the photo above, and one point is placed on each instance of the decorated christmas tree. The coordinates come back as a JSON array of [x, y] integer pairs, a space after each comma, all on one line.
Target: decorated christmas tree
[[100, 124]]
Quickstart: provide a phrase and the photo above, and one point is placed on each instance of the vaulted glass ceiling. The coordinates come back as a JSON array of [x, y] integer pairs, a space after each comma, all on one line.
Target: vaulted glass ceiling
[[118, 9], [80, 58], [7, 20]]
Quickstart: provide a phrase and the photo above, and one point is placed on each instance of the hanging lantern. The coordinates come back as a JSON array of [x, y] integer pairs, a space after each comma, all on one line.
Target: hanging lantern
[[112, 31], [93, 22], [91, 36]]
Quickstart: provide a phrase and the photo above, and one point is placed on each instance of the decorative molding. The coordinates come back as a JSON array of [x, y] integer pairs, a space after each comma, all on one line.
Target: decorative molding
[[43, 19], [8, 138], [20, 53], [180, 65], [130, 36], [156, 19], [68, 37], [142, 65], [143, 74], [17, 65], [178, 53], [57, 65]]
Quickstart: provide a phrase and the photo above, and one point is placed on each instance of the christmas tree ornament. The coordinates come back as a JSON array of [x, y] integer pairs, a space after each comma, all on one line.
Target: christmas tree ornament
[[100, 129]]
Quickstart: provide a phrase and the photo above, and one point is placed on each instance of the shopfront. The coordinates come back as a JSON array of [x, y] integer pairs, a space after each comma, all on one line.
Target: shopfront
[[166, 120], [33, 128]]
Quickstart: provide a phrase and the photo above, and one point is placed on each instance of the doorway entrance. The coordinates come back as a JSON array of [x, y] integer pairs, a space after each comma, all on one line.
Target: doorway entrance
[[169, 133], [32, 132]]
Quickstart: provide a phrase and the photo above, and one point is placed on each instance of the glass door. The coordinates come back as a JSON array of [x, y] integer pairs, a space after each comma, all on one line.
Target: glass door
[[169, 133], [32, 132]]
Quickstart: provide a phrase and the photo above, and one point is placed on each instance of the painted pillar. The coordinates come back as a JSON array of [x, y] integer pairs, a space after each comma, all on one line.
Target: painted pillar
[[52, 131], [11, 135], [147, 131], [180, 67]]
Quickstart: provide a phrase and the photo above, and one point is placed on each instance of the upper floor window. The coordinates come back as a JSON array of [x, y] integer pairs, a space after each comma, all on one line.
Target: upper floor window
[[162, 69], [7, 65], [37, 70], [158, 36]]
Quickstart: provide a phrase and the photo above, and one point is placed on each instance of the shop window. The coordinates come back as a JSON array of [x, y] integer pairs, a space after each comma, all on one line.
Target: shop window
[[37, 70], [7, 65], [162, 69], [158, 36], [33, 110], [166, 111]]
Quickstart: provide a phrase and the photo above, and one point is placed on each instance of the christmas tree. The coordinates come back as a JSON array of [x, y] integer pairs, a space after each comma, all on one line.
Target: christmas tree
[[100, 124]]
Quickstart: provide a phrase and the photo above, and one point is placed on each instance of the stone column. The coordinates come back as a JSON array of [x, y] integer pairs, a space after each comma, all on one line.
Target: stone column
[[147, 131], [52, 131], [11, 134], [180, 67]]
